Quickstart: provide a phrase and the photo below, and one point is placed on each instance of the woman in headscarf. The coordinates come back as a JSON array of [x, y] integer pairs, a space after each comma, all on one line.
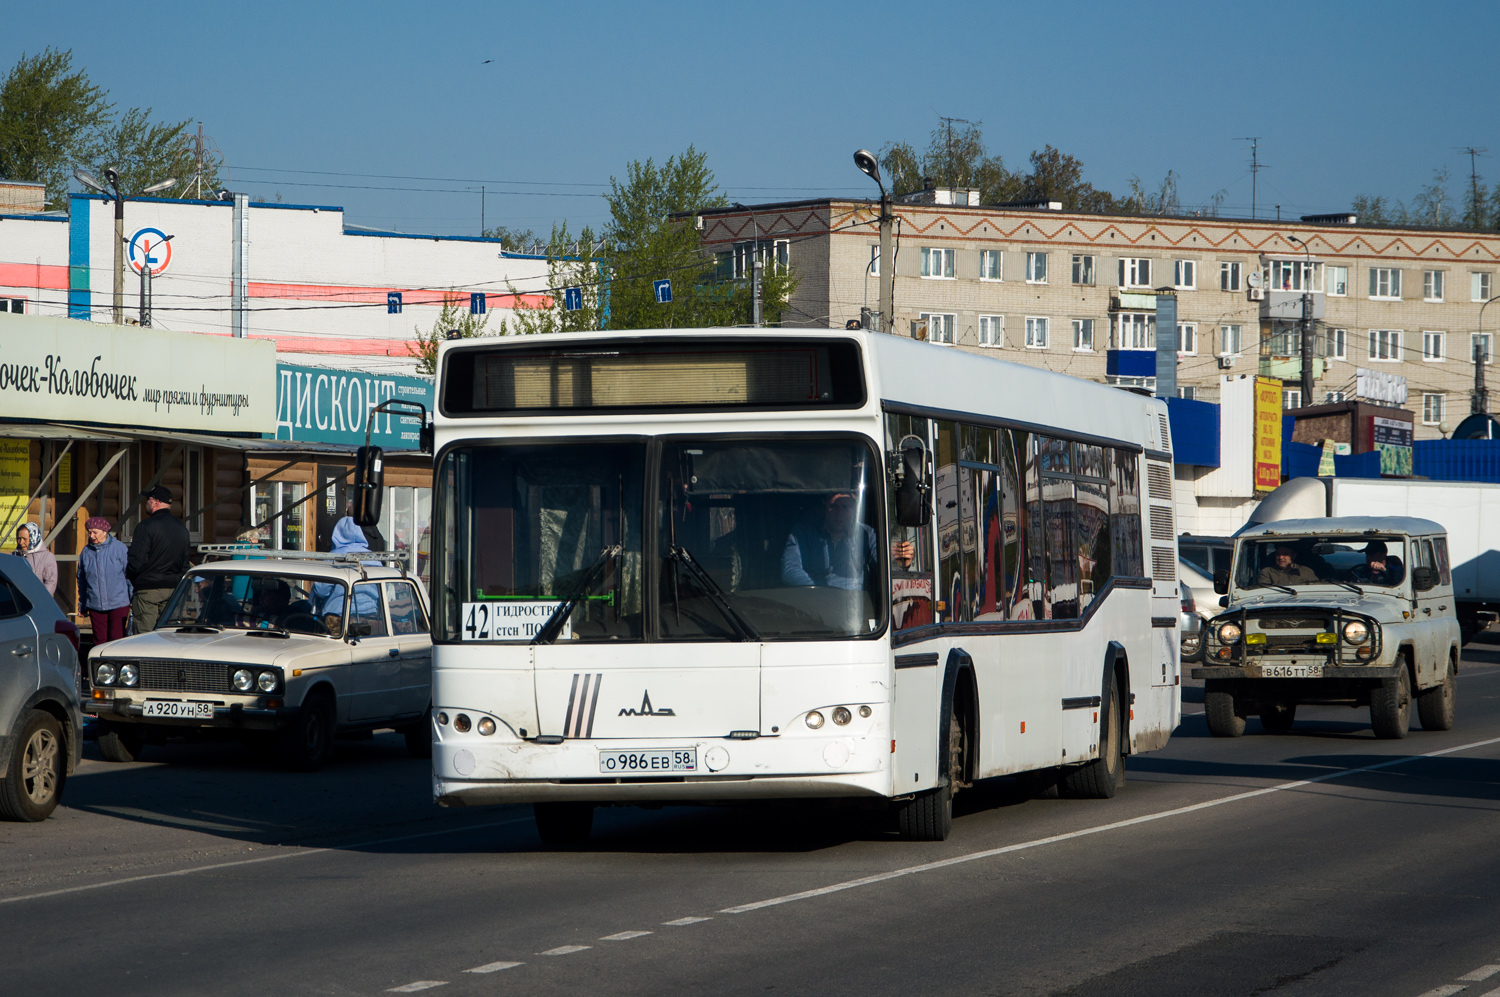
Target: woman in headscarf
[[43, 564], [328, 597], [103, 590]]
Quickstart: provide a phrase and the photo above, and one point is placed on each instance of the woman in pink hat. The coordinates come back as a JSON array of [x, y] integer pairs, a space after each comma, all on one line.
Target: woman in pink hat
[[103, 590]]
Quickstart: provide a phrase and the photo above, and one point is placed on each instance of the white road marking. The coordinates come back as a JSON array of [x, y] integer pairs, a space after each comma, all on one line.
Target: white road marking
[[565, 950], [685, 920], [624, 936], [1482, 973], [265, 858], [1084, 832], [1492, 993], [412, 988], [1446, 990], [494, 967]]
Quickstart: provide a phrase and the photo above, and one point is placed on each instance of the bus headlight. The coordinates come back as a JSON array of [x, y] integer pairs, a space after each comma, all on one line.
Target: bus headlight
[[1355, 632], [486, 726], [841, 715], [815, 719], [1229, 633]]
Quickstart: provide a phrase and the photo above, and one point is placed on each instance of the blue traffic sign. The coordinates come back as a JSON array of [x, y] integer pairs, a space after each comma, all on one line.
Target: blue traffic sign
[[477, 301], [393, 302], [663, 291], [572, 299]]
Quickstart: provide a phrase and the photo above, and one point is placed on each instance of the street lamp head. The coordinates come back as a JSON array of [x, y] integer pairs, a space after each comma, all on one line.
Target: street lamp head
[[112, 178], [163, 185], [86, 178], [869, 166]]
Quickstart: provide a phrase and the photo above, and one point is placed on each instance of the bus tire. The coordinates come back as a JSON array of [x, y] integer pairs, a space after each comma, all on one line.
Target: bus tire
[[1101, 778], [928, 816], [1390, 705], [563, 823], [1278, 717], [1224, 718], [1436, 706], [121, 743]]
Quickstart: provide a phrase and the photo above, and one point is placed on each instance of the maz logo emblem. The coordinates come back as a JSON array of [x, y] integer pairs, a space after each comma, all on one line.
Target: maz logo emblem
[[646, 710], [582, 701]]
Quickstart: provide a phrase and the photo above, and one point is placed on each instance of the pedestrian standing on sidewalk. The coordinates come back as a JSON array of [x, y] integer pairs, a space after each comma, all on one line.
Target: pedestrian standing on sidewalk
[[159, 553], [43, 564], [103, 591]]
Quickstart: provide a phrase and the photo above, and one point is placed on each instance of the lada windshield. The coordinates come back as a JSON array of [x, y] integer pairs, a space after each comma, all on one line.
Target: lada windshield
[[257, 601], [750, 539], [1292, 562]]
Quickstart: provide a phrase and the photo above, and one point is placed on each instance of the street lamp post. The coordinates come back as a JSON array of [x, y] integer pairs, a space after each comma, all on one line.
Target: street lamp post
[[756, 268], [868, 165], [1479, 401], [146, 276], [1306, 324], [112, 178]]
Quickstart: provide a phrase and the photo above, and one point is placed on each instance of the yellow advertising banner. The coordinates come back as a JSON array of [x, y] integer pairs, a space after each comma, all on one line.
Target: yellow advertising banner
[[15, 476], [1267, 433]]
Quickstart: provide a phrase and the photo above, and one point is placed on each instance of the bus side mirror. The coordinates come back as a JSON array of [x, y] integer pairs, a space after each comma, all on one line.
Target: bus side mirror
[[1423, 578], [369, 485], [1221, 582], [913, 489]]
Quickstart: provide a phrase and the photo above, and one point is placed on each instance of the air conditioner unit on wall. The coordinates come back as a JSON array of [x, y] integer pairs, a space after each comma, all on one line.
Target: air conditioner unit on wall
[[1226, 362], [1257, 293]]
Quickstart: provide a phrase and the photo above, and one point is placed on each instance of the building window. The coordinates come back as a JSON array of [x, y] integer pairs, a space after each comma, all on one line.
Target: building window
[[1432, 408], [1481, 286], [1036, 268], [1185, 275], [1135, 331], [1229, 276], [1291, 398], [1432, 347], [1385, 283], [272, 497], [1338, 281], [1083, 335], [406, 523], [1036, 333], [939, 327], [874, 270], [780, 255], [1385, 344], [1135, 272], [1432, 285], [992, 330], [1335, 396], [1229, 340], [1338, 344], [1187, 391], [937, 262], [1292, 275], [991, 265], [16, 305], [1187, 338], [1083, 269], [1479, 347]]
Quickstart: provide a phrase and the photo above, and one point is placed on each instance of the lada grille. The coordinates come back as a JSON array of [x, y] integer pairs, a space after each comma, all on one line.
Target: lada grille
[[184, 676]]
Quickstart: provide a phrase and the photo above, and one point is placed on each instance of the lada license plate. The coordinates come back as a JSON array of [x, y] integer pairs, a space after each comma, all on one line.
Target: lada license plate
[[645, 761], [1291, 671], [178, 710]]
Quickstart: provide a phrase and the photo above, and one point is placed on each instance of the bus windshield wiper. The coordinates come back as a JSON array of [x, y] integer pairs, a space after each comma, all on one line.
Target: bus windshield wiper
[[560, 615], [711, 588]]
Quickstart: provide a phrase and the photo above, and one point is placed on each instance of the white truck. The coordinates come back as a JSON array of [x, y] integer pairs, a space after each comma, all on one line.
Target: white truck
[[1468, 511]]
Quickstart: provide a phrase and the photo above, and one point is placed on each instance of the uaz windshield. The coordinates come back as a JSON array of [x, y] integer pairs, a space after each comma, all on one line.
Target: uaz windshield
[[1292, 562]]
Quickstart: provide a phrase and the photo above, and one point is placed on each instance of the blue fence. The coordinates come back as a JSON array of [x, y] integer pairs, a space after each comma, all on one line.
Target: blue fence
[[1457, 460]]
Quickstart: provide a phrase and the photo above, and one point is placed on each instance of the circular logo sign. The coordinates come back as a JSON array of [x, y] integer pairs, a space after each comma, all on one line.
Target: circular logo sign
[[149, 247]]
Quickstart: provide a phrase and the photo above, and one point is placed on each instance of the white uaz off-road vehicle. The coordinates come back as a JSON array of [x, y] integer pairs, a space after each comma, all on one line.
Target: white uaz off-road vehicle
[[1355, 611], [282, 648]]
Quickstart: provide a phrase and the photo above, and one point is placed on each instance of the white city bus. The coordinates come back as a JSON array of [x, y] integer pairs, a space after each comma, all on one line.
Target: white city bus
[[720, 565]]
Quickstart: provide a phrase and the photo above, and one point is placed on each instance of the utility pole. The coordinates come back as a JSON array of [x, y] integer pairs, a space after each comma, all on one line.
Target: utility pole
[[868, 165], [952, 177], [1306, 323], [481, 209], [1479, 401], [1255, 167], [1476, 217], [759, 265], [146, 277], [198, 163]]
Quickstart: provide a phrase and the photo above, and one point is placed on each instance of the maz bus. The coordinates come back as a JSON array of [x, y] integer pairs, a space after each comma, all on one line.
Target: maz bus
[[720, 565]]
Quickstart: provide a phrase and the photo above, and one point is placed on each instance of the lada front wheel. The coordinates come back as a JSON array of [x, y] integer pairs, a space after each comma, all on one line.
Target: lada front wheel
[[308, 742], [1224, 718], [121, 743], [30, 789], [1390, 706], [1436, 706]]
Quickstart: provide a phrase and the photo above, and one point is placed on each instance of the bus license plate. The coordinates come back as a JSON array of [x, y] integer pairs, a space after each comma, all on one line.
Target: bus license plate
[[177, 710], [648, 761], [1291, 671]]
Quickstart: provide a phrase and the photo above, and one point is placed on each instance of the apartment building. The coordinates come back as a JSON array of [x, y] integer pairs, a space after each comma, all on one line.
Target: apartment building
[[1078, 293]]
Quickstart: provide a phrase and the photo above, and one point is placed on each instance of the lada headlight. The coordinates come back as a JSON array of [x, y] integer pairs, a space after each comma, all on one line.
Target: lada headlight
[[244, 678], [1355, 632], [268, 681], [104, 674], [129, 674], [1229, 633]]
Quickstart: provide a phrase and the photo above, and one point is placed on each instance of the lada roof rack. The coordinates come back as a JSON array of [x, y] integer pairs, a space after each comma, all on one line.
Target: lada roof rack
[[358, 558]]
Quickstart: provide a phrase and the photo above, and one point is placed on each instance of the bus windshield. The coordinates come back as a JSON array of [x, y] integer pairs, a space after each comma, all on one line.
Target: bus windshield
[[752, 539]]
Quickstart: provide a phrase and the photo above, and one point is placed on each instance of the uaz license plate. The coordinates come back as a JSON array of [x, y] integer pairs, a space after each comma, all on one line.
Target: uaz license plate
[[177, 710], [648, 761], [1291, 671]]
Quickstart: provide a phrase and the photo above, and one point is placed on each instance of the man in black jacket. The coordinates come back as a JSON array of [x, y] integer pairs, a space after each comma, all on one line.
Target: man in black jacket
[[159, 553]]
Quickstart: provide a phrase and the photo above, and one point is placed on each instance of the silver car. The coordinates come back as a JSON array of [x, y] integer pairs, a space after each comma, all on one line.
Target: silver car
[[39, 718]]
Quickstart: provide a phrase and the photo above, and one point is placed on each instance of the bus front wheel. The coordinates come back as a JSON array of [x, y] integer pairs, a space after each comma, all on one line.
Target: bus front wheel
[[928, 816]]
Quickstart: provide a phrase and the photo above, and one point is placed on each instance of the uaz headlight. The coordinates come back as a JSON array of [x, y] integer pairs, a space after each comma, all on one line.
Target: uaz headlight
[[1229, 633], [1355, 632]]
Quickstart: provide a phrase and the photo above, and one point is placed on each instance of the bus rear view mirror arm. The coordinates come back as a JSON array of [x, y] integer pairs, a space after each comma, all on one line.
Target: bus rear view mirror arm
[[913, 484]]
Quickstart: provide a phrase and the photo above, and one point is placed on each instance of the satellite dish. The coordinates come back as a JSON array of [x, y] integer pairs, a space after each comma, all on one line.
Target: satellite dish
[[1253, 278]]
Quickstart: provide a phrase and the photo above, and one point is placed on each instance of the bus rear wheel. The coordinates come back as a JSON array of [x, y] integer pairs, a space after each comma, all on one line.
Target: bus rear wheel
[[563, 823], [1100, 779]]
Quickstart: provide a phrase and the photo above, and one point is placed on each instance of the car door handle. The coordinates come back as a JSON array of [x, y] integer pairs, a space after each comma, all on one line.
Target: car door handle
[[21, 651], [394, 652]]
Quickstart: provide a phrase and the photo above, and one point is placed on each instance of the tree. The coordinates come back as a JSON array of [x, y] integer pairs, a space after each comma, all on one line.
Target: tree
[[1432, 207], [144, 153], [955, 157], [453, 318], [512, 240], [1056, 176], [570, 263], [51, 117]]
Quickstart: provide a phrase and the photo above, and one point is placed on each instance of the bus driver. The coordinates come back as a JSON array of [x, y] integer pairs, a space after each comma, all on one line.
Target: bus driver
[[835, 549]]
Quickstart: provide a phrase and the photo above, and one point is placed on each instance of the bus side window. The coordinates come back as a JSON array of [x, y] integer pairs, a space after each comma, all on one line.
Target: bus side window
[[1036, 554], [1010, 563], [911, 580], [1125, 515], [948, 490], [1059, 526]]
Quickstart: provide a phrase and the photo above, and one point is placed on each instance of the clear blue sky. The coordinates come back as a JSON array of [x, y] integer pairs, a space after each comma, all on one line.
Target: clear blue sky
[[1347, 98]]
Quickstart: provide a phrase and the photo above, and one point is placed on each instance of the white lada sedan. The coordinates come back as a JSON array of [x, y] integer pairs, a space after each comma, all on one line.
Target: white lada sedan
[[284, 650]]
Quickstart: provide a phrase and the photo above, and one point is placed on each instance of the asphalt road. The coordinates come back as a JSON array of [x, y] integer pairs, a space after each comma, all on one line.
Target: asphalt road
[[1318, 862]]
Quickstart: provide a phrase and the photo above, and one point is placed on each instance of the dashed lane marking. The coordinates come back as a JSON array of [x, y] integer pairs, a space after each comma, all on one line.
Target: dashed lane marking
[[1446, 990], [624, 936], [1482, 973], [494, 967], [1085, 832], [685, 920], [256, 861], [565, 950], [412, 988]]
